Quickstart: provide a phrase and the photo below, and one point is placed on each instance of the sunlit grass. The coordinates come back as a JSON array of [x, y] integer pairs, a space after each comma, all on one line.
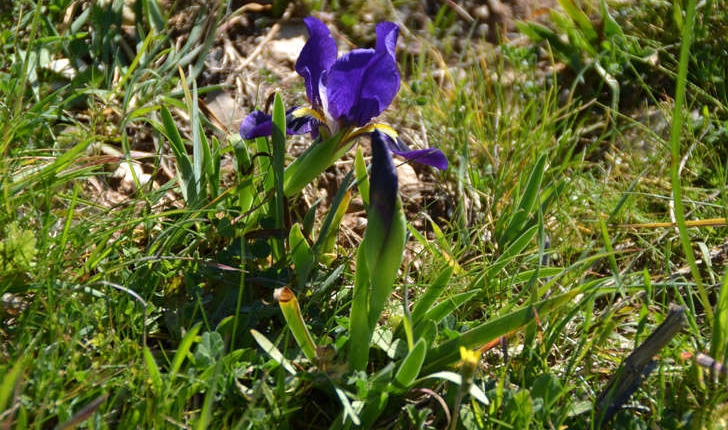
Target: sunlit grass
[[549, 243]]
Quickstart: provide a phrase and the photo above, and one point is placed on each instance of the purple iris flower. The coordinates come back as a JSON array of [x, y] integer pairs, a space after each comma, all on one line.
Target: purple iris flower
[[345, 93]]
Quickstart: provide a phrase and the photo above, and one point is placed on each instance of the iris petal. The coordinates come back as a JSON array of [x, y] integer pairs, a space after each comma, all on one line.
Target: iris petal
[[363, 83], [387, 33], [429, 156], [256, 124], [298, 121], [382, 79], [317, 56], [302, 120], [344, 87]]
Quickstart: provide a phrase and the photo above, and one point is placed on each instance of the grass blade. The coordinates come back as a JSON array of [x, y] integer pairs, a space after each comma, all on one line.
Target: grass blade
[[155, 375], [362, 179], [431, 294], [9, 380], [448, 306], [301, 255], [449, 352], [514, 249], [183, 350], [410, 367], [457, 378], [271, 350], [359, 315], [526, 204], [327, 236], [719, 338], [278, 139], [184, 164], [154, 15], [675, 133], [580, 18]]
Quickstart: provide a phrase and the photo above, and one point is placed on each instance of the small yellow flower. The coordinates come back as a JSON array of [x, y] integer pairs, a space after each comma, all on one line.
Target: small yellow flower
[[470, 358]]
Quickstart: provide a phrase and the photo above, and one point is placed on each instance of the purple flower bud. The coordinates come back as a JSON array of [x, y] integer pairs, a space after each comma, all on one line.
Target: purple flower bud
[[383, 183]]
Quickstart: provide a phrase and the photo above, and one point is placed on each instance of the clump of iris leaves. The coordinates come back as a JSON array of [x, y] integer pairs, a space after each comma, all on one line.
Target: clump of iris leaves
[[234, 306]]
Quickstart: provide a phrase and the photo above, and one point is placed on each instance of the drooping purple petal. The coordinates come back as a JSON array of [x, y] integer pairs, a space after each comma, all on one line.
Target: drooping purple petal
[[429, 156], [317, 56], [256, 124], [383, 182], [363, 83]]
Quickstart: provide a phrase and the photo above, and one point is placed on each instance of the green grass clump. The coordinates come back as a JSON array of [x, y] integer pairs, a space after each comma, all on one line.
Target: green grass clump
[[547, 247]]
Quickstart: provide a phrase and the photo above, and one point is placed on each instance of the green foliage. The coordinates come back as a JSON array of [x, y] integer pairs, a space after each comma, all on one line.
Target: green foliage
[[17, 252], [599, 45], [719, 338], [537, 252]]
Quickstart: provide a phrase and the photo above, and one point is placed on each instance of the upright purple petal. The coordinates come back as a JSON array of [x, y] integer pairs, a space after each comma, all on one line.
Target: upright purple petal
[[344, 87], [387, 33], [317, 56], [383, 182], [363, 83]]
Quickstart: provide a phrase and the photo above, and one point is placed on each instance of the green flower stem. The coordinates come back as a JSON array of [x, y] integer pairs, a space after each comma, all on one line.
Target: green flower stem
[[317, 158], [378, 261], [359, 334], [384, 251]]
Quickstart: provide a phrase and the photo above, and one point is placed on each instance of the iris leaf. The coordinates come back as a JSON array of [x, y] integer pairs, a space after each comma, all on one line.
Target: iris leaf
[[410, 367], [431, 294], [278, 138]]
